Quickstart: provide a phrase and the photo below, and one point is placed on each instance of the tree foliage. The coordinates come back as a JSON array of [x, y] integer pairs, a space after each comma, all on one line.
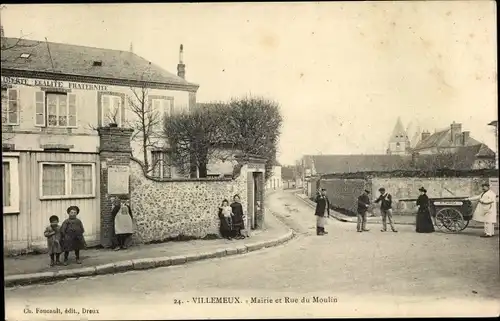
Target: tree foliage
[[195, 137], [254, 127], [250, 126]]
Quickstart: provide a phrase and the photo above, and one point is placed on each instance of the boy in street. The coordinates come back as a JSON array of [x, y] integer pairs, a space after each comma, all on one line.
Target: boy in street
[[363, 205], [385, 200]]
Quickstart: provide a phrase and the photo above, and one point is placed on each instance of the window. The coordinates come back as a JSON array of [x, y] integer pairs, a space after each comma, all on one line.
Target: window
[[165, 108], [10, 107], [60, 180], [111, 110], [10, 181], [55, 109], [161, 164]]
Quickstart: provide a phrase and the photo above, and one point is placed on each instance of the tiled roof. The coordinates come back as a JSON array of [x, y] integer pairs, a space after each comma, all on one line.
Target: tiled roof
[[330, 164], [79, 60], [442, 139], [463, 159]]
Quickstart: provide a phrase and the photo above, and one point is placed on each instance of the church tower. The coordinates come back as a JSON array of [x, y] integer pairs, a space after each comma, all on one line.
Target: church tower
[[399, 143]]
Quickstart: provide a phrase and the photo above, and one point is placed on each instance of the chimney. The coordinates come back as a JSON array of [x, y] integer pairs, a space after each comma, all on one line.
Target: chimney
[[131, 48], [465, 138], [181, 67], [425, 135], [456, 131]]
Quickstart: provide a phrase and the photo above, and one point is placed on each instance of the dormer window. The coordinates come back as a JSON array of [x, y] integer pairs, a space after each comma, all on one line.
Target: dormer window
[[97, 63], [25, 55]]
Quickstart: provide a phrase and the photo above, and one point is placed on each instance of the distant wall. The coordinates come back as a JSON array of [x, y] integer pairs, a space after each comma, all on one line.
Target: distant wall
[[343, 193], [168, 209]]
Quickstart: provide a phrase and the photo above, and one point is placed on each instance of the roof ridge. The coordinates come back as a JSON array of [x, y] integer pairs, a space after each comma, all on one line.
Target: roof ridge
[[73, 45]]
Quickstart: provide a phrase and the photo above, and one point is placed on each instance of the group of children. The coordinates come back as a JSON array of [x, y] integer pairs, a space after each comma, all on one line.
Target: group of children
[[65, 238]]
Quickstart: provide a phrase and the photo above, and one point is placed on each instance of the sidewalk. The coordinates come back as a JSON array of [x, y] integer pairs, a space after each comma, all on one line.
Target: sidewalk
[[29, 269], [398, 219]]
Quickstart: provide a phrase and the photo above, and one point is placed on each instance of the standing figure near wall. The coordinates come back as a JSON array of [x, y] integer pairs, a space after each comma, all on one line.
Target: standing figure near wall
[[424, 221], [322, 208], [486, 210], [385, 200], [123, 223], [226, 220], [238, 221], [363, 205], [72, 234]]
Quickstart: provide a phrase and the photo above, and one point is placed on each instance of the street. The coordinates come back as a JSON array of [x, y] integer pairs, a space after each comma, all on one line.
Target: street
[[370, 274]]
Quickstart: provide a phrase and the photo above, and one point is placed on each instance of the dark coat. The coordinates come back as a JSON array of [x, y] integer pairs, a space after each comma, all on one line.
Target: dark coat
[[72, 235], [363, 203], [423, 202], [322, 205], [386, 201], [237, 210]]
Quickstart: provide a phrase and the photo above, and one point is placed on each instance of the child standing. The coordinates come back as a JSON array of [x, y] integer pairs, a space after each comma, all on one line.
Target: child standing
[[53, 235], [72, 234], [226, 220]]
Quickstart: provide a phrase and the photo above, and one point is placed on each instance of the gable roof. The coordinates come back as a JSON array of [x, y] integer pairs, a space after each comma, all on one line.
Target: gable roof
[[77, 60], [463, 159], [442, 139], [330, 164], [399, 134]]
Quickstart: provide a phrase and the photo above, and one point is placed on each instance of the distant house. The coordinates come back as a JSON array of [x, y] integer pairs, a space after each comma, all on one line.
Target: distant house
[[469, 153], [276, 180]]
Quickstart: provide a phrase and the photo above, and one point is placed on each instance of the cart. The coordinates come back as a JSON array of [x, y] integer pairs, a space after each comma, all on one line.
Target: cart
[[451, 214]]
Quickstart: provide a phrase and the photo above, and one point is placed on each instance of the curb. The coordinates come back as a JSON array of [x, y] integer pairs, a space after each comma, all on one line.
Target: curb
[[373, 221], [141, 264]]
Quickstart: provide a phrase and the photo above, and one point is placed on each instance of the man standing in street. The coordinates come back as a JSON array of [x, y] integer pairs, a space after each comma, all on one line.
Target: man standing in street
[[385, 200], [486, 210], [363, 205], [322, 207]]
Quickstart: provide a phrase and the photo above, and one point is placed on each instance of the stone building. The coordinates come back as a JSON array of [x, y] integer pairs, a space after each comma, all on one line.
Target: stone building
[[56, 98]]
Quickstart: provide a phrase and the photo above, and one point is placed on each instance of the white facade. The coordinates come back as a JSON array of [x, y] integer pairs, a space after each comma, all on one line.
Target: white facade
[[275, 181]]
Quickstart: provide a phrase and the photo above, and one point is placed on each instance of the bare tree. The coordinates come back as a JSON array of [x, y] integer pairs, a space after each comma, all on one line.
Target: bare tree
[[146, 122]]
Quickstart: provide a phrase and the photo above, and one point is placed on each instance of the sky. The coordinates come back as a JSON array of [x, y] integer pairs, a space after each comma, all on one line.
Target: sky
[[342, 72]]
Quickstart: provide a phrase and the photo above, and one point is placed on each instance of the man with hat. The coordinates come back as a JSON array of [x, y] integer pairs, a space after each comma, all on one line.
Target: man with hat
[[486, 210], [363, 205], [322, 207], [385, 200]]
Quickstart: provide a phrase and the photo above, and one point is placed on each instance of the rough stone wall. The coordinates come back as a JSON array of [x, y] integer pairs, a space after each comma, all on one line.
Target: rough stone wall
[[168, 209]]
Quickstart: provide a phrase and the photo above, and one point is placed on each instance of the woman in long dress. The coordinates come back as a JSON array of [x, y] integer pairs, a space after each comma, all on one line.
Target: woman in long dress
[[424, 220], [238, 218]]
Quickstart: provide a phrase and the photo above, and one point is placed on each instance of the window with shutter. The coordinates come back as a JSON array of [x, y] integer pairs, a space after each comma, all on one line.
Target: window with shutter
[[10, 106], [40, 109], [61, 110], [112, 110]]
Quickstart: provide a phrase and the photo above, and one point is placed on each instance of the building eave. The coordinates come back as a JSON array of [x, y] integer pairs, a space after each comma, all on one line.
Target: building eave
[[12, 72]]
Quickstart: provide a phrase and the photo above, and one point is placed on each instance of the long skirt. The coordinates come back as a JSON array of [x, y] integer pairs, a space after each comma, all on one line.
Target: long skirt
[[424, 222], [320, 221], [226, 228]]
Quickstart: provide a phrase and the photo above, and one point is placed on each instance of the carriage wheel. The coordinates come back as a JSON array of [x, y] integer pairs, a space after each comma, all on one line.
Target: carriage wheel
[[452, 219], [439, 219]]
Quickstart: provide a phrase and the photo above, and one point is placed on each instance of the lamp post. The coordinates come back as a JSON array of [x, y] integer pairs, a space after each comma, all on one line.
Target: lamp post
[[495, 124]]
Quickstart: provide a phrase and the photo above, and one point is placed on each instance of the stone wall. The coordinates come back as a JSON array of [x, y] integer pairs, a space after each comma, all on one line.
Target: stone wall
[[437, 187], [169, 209], [343, 193]]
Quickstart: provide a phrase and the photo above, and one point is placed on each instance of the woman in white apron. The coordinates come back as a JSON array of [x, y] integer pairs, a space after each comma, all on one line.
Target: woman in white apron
[[124, 224], [486, 210]]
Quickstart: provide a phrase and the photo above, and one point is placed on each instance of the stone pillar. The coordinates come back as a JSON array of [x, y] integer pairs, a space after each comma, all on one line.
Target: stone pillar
[[115, 152]]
